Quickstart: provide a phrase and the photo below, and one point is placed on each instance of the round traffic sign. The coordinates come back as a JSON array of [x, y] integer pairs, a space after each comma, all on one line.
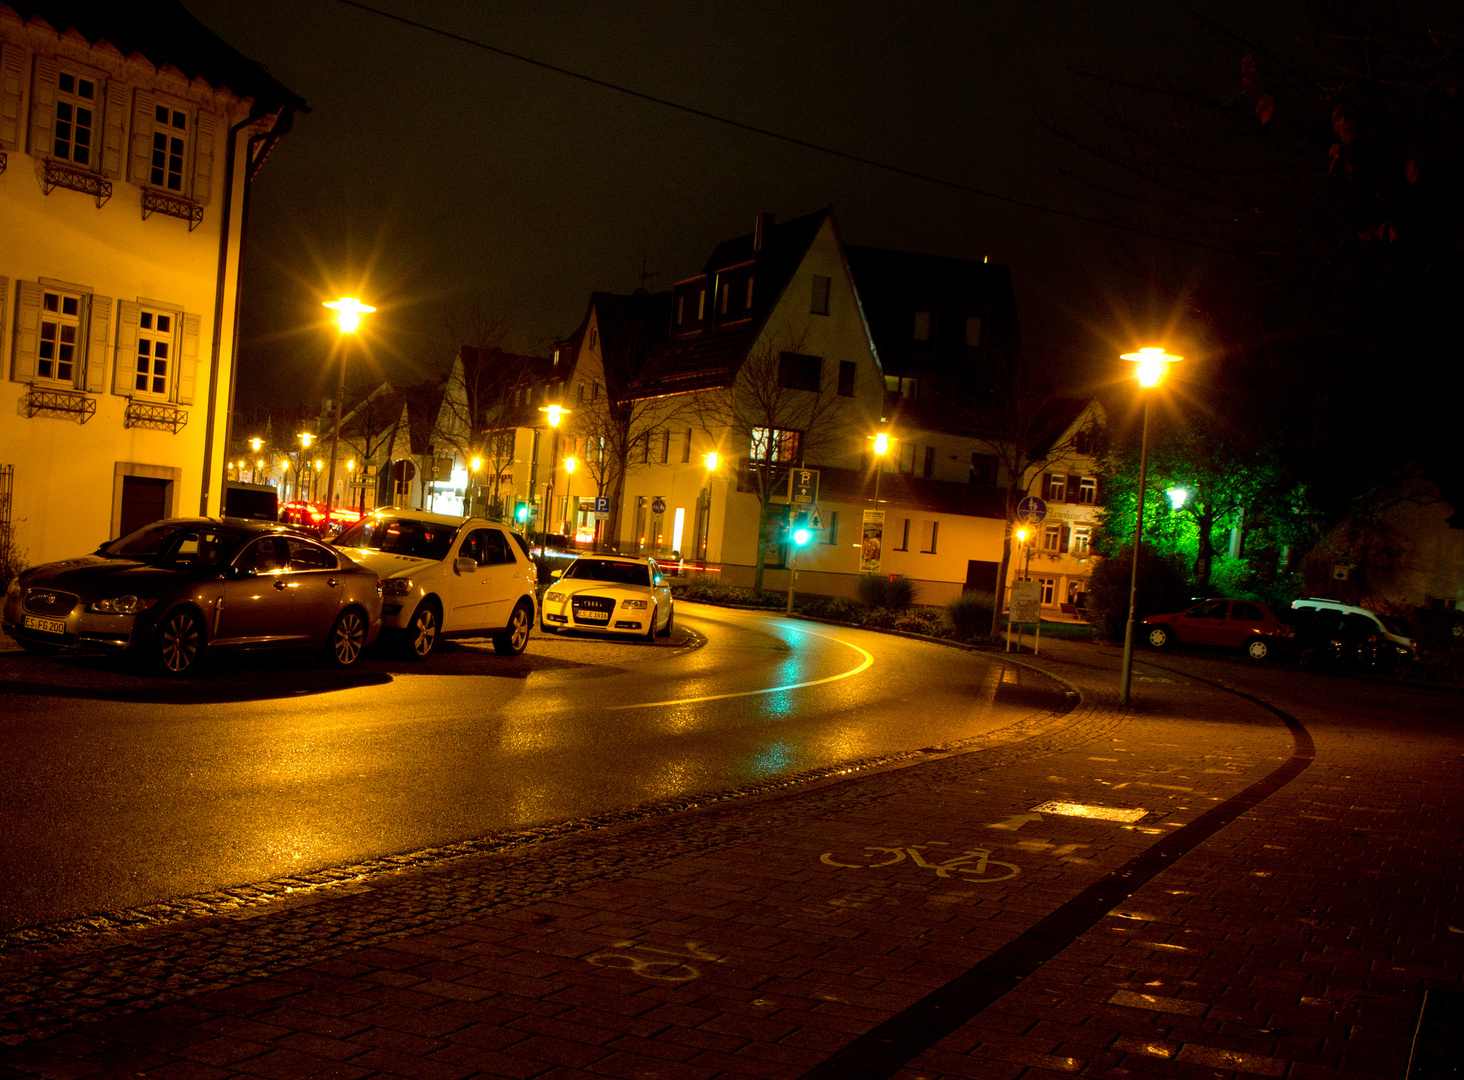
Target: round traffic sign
[[1031, 510], [658, 505]]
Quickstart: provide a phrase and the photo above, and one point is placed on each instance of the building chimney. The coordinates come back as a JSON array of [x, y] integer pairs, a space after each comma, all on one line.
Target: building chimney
[[760, 229]]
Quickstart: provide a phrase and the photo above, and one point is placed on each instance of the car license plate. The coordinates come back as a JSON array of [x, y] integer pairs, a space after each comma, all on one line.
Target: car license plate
[[45, 626], [593, 616]]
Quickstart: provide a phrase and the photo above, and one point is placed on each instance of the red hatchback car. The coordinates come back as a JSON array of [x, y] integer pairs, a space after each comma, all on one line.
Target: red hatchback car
[[1232, 624]]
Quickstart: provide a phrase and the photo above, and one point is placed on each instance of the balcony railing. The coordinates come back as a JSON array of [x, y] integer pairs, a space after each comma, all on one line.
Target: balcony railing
[[54, 175], [154, 415], [158, 202], [50, 401]]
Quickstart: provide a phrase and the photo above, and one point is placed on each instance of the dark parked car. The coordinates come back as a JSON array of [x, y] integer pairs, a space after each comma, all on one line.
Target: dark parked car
[[1345, 641], [175, 588], [1233, 624]]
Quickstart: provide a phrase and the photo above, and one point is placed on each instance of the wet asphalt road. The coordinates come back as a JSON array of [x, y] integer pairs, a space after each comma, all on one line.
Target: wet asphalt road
[[120, 790]]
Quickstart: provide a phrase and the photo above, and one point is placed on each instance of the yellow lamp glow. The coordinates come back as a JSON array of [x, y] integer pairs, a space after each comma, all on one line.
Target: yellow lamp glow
[[555, 412], [318, 464], [570, 465], [477, 463], [348, 312], [255, 444], [713, 459], [1153, 362], [1021, 535], [882, 444], [305, 438]]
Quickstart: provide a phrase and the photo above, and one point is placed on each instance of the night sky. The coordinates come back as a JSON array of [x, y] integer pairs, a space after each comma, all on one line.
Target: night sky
[[433, 178]]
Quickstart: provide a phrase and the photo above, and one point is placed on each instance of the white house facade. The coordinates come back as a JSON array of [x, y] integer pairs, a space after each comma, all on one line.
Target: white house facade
[[123, 189]]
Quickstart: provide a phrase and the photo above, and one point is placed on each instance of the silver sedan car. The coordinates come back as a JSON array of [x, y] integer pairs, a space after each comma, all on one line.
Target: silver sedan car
[[175, 588]]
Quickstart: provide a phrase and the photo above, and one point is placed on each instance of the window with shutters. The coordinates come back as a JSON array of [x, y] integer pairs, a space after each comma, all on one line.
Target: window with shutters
[[1082, 539], [1088, 489], [59, 351], [76, 115], [154, 353], [169, 147], [1052, 538], [1056, 486]]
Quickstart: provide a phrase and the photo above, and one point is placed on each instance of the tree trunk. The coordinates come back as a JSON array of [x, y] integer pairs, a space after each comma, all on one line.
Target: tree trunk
[[762, 547], [1205, 550]]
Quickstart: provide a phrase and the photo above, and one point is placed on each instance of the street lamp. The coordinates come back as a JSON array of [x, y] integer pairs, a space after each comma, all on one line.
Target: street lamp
[[569, 467], [1152, 364], [711, 459], [1178, 496], [348, 317], [881, 442], [553, 413]]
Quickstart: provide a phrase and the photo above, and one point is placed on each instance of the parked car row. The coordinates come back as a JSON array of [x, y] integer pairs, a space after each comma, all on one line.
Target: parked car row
[[1318, 631], [174, 589]]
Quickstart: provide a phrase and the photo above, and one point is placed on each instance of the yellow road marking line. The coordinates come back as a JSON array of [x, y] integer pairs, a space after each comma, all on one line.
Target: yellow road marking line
[[868, 662]]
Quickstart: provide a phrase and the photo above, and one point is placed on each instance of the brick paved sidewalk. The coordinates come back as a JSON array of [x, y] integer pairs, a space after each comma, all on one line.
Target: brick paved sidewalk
[[763, 938]]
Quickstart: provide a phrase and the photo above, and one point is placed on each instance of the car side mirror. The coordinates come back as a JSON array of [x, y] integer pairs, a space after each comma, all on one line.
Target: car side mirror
[[556, 574], [465, 565]]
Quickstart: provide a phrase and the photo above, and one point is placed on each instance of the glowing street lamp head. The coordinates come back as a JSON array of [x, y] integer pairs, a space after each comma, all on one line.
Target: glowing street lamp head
[[555, 412], [1153, 362], [1021, 535], [713, 459], [348, 312], [319, 464], [476, 464], [305, 438], [255, 444], [882, 444], [569, 465], [351, 465], [1178, 496], [259, 464]]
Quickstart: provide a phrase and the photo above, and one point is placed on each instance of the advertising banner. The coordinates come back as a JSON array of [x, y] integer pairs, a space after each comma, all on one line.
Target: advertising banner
[[873, 545]]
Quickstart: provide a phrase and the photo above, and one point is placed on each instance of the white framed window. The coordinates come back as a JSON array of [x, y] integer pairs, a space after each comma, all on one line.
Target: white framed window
[[169, 148], [153, 369], [1088, 489], [76, 116], [1049, 590], [1082, 539], [1056, 487], [1052, 538], [1075, 591], [59, 351]]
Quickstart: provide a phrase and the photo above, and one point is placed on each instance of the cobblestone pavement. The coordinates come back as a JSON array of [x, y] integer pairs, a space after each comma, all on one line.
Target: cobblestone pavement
[[1290, 890]]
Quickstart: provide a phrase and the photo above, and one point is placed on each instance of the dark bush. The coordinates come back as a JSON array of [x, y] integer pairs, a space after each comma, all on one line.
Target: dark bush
[[1162, 588], [970, 615], [891, 593], [836, 608], [714, 592]]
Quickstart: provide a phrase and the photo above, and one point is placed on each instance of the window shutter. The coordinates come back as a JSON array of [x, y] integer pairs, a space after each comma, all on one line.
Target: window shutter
[[27, 330], [43, 107], [1074, 491], [114, 129], [12, 75], [1047, 485], [1064, 538], [127, 319], [207, 131], [144, 108], [1098, 491], [188, 360], [98, 338]]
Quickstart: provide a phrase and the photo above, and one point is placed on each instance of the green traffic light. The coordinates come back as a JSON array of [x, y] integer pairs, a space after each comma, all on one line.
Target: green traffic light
[[801, 537]]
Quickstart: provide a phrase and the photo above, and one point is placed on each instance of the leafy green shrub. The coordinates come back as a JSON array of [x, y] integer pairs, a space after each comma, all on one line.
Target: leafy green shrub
[[891, 593], [970, 615]]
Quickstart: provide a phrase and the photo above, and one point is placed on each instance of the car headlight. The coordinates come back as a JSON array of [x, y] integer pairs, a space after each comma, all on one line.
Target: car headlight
[[13, 589], [633, 605], [397, 586], [122, 605], [555, 598]]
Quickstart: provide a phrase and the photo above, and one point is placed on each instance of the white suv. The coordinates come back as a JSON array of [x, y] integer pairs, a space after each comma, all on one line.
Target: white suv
[[447, 576], [1391, 629]]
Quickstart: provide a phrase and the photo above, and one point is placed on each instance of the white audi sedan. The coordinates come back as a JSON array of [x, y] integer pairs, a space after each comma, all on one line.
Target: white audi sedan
[[609, 594]]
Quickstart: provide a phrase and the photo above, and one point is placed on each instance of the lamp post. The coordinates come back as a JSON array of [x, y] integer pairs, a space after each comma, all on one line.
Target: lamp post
[[348, 317], [1152, 364], [473, 467], [711, 459], [569, 467], [553, 413], [881, 442]]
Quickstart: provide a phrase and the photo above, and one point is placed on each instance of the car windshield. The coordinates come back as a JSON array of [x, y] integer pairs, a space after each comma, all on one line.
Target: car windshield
[[612, 570], [175, 546], [1398, 626], [401, 536]]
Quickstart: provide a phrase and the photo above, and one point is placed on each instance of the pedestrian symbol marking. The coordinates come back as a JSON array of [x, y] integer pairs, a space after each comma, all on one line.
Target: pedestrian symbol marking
[[974, 865], [1031, 510]]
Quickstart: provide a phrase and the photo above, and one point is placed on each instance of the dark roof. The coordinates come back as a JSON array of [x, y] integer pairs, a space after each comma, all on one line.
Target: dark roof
[[165, 33], [712, 357]]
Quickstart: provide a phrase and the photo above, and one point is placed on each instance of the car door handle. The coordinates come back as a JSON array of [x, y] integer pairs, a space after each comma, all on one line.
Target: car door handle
[[280, 584], [331, 582]]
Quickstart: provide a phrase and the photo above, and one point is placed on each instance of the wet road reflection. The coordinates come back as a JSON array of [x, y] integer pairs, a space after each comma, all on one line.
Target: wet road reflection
[[115, 803]]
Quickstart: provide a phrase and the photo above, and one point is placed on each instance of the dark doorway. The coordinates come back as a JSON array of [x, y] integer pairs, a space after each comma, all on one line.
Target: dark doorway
[[981, 576], [144, 500]]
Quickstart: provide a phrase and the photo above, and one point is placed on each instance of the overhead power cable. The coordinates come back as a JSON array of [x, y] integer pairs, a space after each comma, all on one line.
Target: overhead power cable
[[792, 140]]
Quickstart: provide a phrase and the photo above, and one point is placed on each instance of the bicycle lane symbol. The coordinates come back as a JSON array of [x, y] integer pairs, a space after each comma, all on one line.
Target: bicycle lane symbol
[[674, 968], [974, 865]]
